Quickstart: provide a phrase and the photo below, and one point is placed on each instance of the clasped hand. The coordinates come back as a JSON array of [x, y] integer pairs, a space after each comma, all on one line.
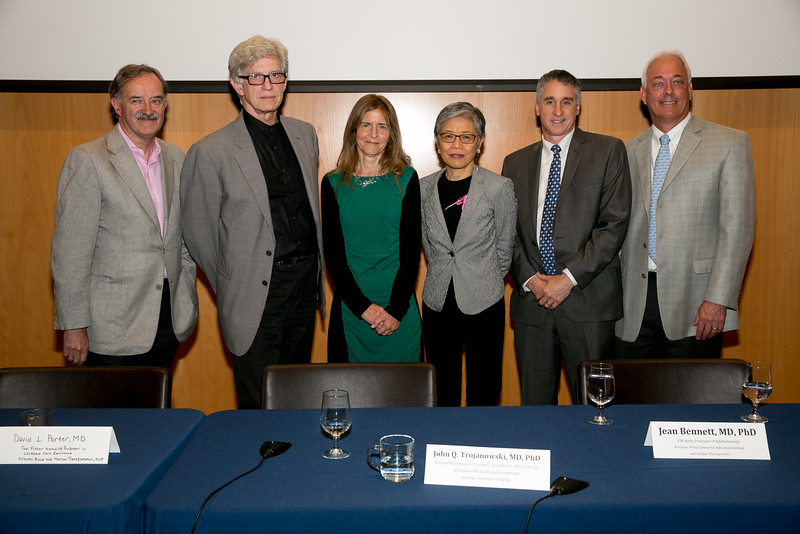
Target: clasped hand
[[550, 290], [380, 320]]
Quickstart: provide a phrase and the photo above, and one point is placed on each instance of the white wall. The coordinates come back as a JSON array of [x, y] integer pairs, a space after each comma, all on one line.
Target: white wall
[[402, 40]]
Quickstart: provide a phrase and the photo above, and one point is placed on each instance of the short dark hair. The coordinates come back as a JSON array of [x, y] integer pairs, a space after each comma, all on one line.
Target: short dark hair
[[560, 76], [129, 72]]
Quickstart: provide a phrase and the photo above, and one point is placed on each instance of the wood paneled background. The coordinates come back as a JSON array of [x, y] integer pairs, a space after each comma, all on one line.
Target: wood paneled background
[[37, 130]]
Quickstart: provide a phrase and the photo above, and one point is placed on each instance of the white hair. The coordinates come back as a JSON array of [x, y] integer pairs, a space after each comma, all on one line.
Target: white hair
[[666, 54]]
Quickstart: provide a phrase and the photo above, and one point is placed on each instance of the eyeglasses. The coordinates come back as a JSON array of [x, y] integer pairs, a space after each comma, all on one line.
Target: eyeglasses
[[256, 78], [466, 139]]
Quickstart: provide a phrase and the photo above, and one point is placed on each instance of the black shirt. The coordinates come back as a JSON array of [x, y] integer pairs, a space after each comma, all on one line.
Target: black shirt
[[453, 195], [292, 218]]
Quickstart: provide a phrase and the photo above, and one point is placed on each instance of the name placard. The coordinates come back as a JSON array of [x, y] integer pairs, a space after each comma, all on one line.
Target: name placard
[[715, 441], [487, 467], [42, 445]]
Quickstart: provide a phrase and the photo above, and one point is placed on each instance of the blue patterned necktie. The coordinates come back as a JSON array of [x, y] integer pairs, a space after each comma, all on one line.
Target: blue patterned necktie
[[549, 213], [659, 173]]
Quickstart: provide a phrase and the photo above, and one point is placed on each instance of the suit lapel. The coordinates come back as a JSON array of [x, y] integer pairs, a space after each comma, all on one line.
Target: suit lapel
[[167, 183], [124, 163], [643, 154], [573, 160], [247, 159], [690, 139], [533, 195], [477, 190], [433, 204], [300, 147]]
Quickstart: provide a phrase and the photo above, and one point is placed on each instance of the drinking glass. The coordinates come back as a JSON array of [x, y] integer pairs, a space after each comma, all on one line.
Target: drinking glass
[[393, 457], [757, 387], [335, 420], [601, 390]]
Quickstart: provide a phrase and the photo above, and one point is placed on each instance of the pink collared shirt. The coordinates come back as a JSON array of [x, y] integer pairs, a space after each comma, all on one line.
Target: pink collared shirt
[[151, 171]]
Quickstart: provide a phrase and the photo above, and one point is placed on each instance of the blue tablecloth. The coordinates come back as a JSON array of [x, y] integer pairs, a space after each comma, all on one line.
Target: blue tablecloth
[[100, 499], [630, 491]]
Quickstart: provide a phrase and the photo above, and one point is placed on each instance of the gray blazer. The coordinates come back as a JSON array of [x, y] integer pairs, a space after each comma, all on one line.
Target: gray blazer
[[706, 217], [228, 224], [108, 256], [480, 256], [590, 225]]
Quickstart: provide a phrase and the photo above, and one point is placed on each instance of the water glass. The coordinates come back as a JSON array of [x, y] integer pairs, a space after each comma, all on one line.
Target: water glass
[[601, 389], [393, 457], [757, 387]]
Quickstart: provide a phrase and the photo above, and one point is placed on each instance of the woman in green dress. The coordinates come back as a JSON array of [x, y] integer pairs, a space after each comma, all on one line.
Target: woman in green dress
[[371, 227]]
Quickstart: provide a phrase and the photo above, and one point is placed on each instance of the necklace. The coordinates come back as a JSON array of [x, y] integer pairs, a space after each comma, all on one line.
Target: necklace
[[365, 181]]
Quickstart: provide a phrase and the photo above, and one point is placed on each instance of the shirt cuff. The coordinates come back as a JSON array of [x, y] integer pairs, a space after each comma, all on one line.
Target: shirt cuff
[[565, 271], [525, 287], [569, 275]]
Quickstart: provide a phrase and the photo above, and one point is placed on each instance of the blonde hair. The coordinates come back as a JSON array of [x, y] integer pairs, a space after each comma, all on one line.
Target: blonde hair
[[248, 52]]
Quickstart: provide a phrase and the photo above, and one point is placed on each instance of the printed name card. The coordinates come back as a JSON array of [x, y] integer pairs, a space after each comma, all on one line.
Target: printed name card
[[42, 445], [715, 441], [487, 467]]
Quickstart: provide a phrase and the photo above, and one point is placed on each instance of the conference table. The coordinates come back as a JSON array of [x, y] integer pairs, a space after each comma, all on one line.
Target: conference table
[[94, 498], [630, 491]]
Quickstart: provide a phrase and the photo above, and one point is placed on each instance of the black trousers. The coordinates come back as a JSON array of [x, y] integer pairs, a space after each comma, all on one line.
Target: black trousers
[[448, 334], [161, 354], [286, 332], [653, 343]]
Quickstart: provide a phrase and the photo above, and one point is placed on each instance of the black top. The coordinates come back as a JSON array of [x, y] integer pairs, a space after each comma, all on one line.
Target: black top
[[292, 218], [453, 195]]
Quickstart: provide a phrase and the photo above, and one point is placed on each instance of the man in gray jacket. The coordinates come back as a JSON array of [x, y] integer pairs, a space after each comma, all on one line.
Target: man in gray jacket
[[123, 281], [692, 224], [250, 195]]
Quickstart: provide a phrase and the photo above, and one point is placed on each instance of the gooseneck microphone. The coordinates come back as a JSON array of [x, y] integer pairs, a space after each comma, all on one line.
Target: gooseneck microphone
[[560, 486], [268, 450]]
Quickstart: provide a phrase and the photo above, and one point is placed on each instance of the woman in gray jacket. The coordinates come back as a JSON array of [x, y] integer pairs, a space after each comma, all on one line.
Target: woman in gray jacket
[[468, 224]]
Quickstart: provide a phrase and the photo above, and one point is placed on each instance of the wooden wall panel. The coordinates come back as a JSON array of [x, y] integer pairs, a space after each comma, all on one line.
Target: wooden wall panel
[[37, 131]]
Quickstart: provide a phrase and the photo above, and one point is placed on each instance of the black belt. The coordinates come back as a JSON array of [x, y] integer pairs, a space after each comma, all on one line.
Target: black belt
[[297, 260]]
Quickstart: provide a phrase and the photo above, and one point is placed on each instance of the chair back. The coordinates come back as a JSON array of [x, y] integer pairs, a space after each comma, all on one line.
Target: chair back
[[85, 387], [371, 385], [671, 381]]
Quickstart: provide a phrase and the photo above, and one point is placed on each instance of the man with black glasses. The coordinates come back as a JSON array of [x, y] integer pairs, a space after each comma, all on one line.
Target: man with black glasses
[[251, 205]]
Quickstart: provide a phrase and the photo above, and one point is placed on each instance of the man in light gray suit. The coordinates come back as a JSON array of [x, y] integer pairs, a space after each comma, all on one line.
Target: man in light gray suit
[[250, 199], [574, 195], [123, 281], [692, 224]]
